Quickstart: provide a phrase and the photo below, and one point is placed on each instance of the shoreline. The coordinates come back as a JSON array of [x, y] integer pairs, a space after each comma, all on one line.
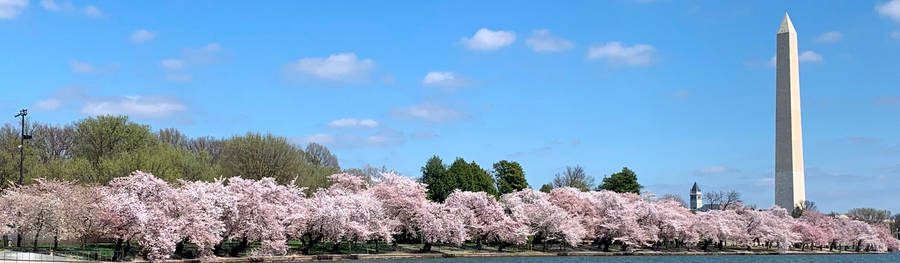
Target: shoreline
[[395, 256]]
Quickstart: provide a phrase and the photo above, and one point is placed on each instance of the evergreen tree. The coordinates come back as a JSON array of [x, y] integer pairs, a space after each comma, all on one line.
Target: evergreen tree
[[510, 177], [546, 188], [470, 177], [434, 175], [622, 182]]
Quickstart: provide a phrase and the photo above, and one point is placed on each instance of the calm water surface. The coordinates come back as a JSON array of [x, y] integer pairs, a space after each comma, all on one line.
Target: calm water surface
[[882, 258]]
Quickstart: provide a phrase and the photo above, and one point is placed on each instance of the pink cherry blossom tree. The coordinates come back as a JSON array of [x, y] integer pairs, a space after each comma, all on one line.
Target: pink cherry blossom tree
[[404, 200], [547, 222], [485, 219]]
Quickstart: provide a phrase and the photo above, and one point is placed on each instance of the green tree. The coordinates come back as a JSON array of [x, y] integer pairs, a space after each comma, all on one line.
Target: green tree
[[470, 177], [434, 175], [869, 215], [622, 182], [162, 160], [103, 137], [546, 188], [510, 177], [255, 156]]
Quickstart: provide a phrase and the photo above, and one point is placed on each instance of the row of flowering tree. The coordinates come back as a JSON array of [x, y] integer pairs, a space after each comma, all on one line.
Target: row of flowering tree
[[161, 218]]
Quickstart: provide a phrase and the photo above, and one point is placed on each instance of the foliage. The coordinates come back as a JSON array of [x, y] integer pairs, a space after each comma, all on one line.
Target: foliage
[[461, 175], [622, 182], [869, 215], [546, 188], [510, 177]]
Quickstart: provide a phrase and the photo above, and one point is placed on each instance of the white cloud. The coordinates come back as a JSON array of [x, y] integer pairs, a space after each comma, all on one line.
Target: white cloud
[[486, 39], [445, 79], [810, 56], [82, 67], [173, 64], [93, 11], [430, 112], [48, 104], [179, 77], [143, 106], [352, 123], [336, 67], [142, 35], [382, 138], [52, 6], [424, 135], [176, 68], [714, 170], [830, 37], [890, 9], [617, 54], [88, 68], [10, 9], [543, 41]]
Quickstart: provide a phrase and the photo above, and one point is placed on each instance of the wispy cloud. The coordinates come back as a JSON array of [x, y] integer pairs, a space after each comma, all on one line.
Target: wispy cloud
[[430, 112], [68, 7], [352, 123], [543, 41], [486, 39], [176, 68], [715, 170], [88, 68], [10, 9], [381, 138], [142, 35], [616, 53], [341, 67], [888, 100], [860, 140], [830, 37]]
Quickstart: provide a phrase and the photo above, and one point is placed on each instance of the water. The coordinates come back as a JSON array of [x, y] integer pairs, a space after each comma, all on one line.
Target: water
[[877, 258]]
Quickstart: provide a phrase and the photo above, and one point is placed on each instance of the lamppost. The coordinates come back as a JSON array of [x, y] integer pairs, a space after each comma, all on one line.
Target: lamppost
[[22, 114]]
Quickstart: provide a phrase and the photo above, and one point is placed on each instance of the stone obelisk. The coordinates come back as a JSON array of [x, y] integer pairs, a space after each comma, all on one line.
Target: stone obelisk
[[790, 191]]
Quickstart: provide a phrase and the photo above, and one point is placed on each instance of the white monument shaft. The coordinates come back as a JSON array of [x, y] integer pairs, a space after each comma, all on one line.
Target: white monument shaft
[[789, 182]]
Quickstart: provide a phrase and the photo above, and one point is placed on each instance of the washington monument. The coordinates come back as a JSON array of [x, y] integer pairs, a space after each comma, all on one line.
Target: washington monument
[[790, 191]]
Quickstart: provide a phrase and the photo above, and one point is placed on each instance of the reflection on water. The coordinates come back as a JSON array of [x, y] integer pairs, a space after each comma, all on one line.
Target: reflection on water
[[880, 258]]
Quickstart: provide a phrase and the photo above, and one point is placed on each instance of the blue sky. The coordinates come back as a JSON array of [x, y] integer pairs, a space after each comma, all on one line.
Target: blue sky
[[679, 91]]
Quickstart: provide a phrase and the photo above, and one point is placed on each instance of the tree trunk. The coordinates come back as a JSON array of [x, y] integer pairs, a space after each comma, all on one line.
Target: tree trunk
[[19, 240], [336, 248], [478, 245], [55, 242], [426, 247], [236, 250], [34, 242], [127, 249], [117, 252]]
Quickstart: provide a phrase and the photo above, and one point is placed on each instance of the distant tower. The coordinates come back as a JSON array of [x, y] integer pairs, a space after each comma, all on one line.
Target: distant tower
[[789, 183], [696, 197]]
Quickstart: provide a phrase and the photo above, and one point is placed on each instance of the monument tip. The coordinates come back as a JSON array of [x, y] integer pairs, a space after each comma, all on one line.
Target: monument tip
[[786, 25]]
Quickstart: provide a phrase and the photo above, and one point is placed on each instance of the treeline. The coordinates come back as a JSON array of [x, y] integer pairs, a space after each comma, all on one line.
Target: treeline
[[508, 176], [96, 150]]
